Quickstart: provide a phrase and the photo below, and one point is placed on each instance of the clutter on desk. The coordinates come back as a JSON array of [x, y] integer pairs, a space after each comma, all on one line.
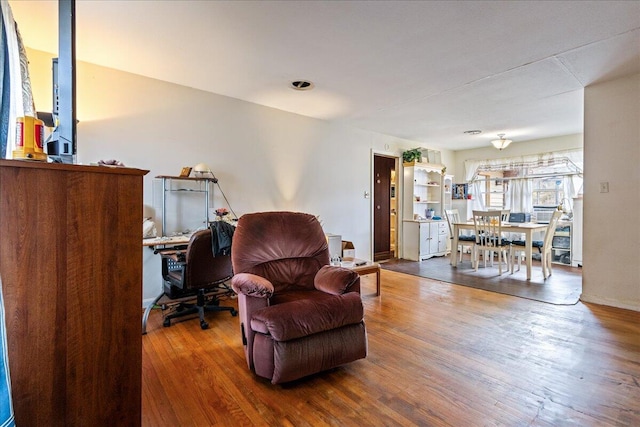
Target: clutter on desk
[[111, 162], [348, 250], [149, 228]]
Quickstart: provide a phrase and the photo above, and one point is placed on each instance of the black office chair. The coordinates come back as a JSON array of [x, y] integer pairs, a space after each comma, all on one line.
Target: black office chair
[[196, 271]]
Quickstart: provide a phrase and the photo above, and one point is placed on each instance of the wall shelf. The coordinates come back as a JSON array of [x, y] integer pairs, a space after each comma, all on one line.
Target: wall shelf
[[168, 187]]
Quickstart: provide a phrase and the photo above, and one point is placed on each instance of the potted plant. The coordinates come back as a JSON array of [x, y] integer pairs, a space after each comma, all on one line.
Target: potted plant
[[412, 156]]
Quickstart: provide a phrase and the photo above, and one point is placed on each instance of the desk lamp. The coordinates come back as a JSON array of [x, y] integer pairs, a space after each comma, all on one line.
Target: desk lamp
[[201, 170]]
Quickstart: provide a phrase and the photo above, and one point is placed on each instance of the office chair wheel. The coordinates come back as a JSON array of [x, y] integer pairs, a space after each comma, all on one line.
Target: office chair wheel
[[204, 325], [166, 322]]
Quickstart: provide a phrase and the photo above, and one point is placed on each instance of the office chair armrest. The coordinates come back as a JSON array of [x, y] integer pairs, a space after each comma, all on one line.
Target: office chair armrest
[[252, 285], [335, 280]]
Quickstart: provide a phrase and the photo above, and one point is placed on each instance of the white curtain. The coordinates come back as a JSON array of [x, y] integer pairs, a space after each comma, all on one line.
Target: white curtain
[[476, 190], [519, 195], [11, 106], [17, 99], [471, 166], [572, 186]]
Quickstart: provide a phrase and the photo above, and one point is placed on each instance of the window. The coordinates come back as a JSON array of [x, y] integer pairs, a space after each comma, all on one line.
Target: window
[[494, 189], [548, 191]]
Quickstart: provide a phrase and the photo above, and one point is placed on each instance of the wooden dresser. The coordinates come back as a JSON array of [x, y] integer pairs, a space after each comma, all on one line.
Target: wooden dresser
[[71, 268]]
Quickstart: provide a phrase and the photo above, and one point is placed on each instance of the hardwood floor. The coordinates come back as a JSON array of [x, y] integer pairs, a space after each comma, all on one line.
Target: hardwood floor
[[564, 286], [439, 355]]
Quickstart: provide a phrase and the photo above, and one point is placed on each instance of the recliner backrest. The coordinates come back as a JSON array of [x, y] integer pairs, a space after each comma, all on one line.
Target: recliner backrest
[[287, 248]]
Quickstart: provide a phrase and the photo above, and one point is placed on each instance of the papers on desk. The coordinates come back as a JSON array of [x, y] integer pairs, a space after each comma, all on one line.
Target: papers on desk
[[167, 240]]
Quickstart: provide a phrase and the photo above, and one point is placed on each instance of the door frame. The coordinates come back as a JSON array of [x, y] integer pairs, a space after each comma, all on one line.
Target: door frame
[[399, 189]]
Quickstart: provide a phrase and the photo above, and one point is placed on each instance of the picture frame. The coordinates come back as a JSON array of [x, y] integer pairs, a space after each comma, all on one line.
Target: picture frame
[[460, 191], [185, 172]]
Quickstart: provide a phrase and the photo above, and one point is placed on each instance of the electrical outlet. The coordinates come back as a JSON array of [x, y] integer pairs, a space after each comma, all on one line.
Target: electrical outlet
[[604, 187]]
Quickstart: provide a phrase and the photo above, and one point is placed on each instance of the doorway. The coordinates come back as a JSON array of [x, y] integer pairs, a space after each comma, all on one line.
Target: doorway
[[384, 208]]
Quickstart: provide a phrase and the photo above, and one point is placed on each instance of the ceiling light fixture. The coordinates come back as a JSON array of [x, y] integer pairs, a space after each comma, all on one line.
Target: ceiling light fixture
[[302, 85], [501, 143]]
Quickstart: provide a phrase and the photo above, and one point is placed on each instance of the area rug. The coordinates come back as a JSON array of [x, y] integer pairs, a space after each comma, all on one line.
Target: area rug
[[563, 287]]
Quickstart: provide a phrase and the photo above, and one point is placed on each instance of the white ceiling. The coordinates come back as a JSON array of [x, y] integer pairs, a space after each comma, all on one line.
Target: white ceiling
[[425, 71]]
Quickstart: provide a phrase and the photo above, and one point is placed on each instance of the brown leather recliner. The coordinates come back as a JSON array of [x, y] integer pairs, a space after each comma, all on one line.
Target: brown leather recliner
[[298, 315]]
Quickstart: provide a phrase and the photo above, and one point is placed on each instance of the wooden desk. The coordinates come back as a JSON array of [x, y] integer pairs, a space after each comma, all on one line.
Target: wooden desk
[[167, 241], [367, 268], [527, 228]]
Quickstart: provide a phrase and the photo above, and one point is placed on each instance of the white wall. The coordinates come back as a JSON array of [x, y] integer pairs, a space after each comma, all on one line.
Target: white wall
[[611, 249], [265, 159]]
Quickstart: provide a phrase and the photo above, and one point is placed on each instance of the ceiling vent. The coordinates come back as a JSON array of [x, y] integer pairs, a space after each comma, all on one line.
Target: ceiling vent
[[302, 85]]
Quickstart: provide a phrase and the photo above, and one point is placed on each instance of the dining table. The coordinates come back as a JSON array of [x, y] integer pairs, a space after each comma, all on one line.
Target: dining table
[[526, 228]]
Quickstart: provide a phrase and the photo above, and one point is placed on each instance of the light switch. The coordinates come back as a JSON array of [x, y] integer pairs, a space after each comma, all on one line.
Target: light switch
[[604, 187]]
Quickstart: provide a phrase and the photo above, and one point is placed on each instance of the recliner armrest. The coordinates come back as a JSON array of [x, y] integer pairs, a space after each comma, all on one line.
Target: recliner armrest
[[252, 285], [335, 280]]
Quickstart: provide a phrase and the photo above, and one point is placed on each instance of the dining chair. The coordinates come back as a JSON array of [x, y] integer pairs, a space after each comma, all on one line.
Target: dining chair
[[544, 246], [464, 240], [489, 239], [504, 217]]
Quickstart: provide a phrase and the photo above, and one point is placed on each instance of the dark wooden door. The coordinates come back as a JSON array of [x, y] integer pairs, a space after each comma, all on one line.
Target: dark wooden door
[[382, 169]]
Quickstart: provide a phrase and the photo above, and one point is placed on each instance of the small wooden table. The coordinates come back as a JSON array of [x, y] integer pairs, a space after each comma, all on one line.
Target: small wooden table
[[367, 268]]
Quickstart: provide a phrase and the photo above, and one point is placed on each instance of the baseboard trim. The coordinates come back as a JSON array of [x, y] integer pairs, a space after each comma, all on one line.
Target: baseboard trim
[[594, 299]]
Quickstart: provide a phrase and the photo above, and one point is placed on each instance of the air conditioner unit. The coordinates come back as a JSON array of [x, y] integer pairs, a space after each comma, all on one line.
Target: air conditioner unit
[[543, 215]]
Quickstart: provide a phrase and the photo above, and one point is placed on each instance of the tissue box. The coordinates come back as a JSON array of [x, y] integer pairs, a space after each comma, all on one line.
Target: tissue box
[[348, 250]]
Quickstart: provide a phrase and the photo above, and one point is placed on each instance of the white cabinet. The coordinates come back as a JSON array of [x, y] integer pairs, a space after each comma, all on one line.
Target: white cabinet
[[576, 238], [561, 243], [447, 192], [424, 239], [423, 190]]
